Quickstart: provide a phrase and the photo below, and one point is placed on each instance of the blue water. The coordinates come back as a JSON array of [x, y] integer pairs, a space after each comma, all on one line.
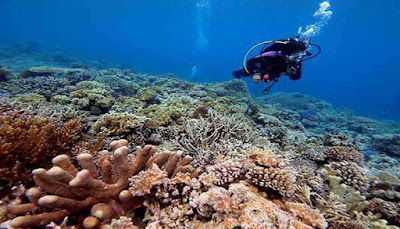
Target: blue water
[[358, 68]]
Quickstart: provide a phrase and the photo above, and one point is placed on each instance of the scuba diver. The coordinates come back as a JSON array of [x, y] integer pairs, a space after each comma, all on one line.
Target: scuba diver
[[280, 57]]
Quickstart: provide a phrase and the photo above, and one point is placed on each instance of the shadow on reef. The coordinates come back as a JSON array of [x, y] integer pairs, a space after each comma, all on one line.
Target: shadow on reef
[[193, 155]]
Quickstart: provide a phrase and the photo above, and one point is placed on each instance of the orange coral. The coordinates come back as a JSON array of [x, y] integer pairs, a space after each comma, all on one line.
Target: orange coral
[[28, 143]]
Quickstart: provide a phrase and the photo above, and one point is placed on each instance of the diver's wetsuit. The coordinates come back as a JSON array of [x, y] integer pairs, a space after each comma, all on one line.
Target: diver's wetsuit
[[274, 61]]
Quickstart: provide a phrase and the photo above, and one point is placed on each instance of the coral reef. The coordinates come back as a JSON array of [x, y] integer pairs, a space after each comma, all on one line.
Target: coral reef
[[223, 159]]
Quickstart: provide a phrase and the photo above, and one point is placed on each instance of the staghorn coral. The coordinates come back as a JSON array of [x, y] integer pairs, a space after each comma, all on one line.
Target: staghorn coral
[[27, 143], [205, 139]]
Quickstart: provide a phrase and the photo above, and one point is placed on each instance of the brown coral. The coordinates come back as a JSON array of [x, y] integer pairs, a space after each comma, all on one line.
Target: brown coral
[[224, 173], [390, 210], [253, 211], [118, 124], [271, 172], [27, 143], [350, 173], [341, 153], [309, 215], [69, 190]]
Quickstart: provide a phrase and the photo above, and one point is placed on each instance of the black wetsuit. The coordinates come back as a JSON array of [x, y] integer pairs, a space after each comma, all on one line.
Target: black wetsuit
[[277, 65]]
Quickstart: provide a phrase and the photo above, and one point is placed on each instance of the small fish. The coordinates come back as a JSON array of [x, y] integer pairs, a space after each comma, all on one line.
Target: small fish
[[207, 115]]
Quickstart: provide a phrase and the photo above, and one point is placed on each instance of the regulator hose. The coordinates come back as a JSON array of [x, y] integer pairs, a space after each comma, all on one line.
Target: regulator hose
[[315, 55]]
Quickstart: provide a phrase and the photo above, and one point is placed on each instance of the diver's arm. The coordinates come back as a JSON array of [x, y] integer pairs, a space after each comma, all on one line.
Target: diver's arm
[[251, 66], [240, 73]]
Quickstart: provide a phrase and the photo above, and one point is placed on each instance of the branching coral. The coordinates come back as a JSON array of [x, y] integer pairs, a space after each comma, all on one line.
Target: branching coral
[[340, 153], [205, 138], [47, 86], [251, 210], [121, 125], [27, 143], [92, 96], [118, 84], [271, 172], [69, 190], [311, 216], [350, 173], [391, 210]]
